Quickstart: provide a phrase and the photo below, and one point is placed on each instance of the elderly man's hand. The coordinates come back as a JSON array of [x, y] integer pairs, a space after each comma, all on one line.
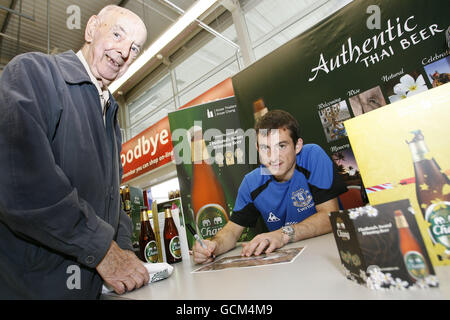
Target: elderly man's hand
[[122, 270]]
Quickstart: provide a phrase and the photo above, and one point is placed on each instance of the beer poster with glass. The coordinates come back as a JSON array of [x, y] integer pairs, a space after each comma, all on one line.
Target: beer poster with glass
[[403, 152], [211, 158]]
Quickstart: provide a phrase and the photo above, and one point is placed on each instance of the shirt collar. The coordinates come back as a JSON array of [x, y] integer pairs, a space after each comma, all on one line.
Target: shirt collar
[[102, 93]]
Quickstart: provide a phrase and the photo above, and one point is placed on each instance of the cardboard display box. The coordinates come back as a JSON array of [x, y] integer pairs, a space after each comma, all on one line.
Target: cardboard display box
[[403, 152], [381, 247]]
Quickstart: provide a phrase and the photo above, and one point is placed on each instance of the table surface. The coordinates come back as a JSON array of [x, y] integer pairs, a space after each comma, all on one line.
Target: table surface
[[315, 274]]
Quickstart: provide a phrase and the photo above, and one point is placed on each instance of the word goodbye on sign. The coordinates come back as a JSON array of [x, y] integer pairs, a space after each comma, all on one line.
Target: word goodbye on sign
[[145, 146]]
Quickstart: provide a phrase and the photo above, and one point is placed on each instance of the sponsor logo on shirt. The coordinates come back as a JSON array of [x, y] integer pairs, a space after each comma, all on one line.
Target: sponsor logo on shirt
[[302, 199], [272, 218]]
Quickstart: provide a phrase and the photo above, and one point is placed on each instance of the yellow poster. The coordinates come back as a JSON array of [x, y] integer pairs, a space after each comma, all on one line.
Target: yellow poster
[[403, 152]]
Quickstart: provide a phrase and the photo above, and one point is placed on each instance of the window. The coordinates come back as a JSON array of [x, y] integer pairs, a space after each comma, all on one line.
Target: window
[[272, 23], [207, 58], [151, 106], [217, 77], [156, 115]]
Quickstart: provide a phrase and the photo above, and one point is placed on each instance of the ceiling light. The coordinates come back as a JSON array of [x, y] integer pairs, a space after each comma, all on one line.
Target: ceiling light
[[195, 11]]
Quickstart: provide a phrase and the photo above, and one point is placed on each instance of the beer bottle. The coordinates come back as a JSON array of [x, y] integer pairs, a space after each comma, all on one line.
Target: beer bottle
[[147, 240], [127, 200], [259, 109], [171, 239], [433, 192], [208, 198], [413, 258], [145, 198], [364, 197], [155, 218], [122, 202]]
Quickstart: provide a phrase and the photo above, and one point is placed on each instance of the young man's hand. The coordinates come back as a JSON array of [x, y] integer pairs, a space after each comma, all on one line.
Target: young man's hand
[[202, 255], [264, 243]]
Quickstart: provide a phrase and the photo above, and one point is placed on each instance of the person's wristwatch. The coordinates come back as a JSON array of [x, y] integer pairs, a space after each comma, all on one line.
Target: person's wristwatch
[[289, 231]]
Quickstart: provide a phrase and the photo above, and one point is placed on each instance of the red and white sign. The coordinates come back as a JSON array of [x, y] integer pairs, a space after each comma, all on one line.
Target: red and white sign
[[147, 151]]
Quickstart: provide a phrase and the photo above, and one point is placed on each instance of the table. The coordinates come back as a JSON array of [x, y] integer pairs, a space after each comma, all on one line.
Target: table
[[315, 274]]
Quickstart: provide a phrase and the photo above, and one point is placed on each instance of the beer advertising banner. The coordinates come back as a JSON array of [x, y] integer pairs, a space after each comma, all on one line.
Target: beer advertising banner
[[403, 152], [152, 148], [147, 151], [365, 56], [209, 151]]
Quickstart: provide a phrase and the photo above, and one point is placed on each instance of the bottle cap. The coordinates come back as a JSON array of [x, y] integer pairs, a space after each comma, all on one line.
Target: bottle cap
[[258, 105], [417, 136]]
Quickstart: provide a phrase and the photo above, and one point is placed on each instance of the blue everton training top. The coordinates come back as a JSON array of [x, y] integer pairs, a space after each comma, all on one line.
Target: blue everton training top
[[314, 181]]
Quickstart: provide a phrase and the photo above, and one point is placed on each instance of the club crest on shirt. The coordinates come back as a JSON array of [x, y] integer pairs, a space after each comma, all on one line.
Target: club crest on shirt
[[301, 198]]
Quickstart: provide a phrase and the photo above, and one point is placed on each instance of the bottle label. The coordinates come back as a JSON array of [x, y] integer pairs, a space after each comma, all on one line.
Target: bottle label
[[151, 252], [175, 247], [415, 264], [401, 222], [418, 150], [438, 215], [127, 205], [210, 219]]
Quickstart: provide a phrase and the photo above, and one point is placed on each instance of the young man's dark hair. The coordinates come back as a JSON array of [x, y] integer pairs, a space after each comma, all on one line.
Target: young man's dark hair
[[278, 119]]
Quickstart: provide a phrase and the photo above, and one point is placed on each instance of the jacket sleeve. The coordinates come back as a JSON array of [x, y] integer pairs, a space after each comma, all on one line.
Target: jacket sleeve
[[37, 200]]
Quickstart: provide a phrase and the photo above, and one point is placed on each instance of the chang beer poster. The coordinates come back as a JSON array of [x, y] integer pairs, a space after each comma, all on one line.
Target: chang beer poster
[[403, 152], [211, 162], [362, 58]]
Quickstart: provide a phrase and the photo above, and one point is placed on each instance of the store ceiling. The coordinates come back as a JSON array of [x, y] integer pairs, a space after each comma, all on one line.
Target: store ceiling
[[28, 25]]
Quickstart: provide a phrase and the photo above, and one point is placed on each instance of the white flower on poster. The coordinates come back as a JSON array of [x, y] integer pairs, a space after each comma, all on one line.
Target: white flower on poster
[[408, 87]]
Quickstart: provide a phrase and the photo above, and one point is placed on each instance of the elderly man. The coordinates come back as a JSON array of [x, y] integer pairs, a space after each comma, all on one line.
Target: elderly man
[[62, 234]]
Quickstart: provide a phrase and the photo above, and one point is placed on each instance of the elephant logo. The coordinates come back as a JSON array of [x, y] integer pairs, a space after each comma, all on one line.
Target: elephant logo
[[206, 223]]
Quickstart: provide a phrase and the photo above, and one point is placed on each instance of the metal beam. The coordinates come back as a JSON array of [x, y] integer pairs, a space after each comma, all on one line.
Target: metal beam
[[248, 55], [5, 24], [203, 25], [16, 12], [25, 43], [8, 16]]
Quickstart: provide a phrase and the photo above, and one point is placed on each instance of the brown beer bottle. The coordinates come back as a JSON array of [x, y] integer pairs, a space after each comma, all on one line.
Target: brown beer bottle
[[171, 238], [127, 200], [413, 258], [155, 218], [147, 241], [364, 197], [208, 198], [433, 192], [122, 201]]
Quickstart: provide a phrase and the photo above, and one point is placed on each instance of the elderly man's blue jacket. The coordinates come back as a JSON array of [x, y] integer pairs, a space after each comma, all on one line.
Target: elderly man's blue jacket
[[60, 172]]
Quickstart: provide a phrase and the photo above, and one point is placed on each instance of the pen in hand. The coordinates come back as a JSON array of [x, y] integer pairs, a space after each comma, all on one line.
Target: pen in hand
[[197, 237]]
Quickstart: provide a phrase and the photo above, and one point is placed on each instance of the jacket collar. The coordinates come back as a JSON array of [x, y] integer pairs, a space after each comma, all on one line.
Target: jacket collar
[[71, 68]]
